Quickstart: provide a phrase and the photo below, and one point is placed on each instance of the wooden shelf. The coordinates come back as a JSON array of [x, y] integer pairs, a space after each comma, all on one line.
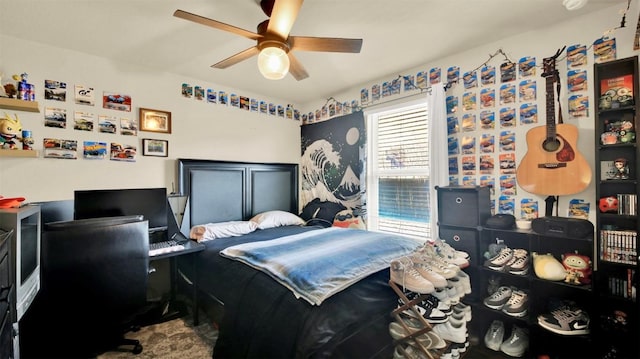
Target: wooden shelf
[[18, 153], [19, 105]]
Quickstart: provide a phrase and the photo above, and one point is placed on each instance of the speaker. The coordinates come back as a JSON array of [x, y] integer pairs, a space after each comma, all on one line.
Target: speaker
[[463, 206], [562, 227]]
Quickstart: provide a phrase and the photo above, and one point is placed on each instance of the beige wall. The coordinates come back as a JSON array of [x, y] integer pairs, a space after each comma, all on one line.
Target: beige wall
[[199, 130]]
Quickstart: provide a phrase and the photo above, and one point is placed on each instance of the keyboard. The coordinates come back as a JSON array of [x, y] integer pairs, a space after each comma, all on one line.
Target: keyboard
[[158, 248]]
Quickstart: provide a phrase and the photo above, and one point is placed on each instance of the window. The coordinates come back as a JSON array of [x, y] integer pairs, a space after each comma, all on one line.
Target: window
[[398, 190]]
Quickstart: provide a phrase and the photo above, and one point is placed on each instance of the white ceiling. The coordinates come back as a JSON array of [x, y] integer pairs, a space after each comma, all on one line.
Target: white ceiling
[[398, 35]]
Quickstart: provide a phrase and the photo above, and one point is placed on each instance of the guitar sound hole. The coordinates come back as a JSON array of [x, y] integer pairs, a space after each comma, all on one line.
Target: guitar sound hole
[[551, 145]]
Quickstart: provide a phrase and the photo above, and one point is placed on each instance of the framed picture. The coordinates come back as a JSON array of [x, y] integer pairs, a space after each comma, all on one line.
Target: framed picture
[[157, 148], [155, 120]]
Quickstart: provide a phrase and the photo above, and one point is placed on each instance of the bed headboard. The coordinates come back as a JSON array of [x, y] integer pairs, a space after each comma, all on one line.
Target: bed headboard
[[220, 191]]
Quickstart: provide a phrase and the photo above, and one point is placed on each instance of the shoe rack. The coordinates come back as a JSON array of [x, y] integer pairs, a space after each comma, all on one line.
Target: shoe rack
[[616, 125], [426, 326]]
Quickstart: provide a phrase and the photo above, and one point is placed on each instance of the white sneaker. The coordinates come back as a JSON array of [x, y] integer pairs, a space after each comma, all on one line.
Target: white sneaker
[[431, 275], [466, 281], [453, 332], [404, 274]]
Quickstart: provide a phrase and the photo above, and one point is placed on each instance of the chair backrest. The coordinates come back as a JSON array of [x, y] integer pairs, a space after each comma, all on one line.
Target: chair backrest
[[96, 267]]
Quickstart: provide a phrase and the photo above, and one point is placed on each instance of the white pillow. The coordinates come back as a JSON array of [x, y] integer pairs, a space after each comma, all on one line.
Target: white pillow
[[209, 231], [272, 219]]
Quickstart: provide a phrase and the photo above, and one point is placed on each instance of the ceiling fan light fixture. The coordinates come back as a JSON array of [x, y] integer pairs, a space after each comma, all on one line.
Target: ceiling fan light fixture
[[574, 4], [273, 63]]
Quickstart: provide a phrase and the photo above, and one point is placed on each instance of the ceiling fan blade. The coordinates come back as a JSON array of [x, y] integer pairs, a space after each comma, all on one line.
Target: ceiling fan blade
[[240, 56], [296, 69], [283, 16], [216, 24], [325, 44]]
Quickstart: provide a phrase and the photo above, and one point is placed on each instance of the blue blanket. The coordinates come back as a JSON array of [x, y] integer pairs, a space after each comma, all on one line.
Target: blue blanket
[[315, 265]]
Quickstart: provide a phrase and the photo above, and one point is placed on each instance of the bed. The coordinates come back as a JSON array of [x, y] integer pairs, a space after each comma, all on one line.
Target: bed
[[262, 318]]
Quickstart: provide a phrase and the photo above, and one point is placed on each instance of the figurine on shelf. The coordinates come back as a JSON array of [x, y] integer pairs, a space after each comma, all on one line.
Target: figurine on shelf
[[26, 91], [10, 130], [3, 92], [27, 140], [10, 89], [622, 168]]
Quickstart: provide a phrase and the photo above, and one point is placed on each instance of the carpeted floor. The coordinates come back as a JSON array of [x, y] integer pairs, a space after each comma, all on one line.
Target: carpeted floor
[[177, 338]]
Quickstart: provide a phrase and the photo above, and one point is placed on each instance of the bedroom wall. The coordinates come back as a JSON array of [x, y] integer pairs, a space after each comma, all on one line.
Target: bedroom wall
[[199, 129], [540, 44]]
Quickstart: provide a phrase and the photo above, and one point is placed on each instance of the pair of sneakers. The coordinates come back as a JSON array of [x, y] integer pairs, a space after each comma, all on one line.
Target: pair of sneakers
[[428, 339], [514, 261], [515, 345], [510, 300]]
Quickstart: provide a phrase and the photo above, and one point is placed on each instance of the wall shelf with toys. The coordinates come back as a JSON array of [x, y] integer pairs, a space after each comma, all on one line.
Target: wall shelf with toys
[[18, 153], [19, 105], [617, 185]]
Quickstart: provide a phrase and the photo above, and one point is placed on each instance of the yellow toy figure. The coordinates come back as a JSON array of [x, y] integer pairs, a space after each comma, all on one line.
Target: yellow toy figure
[[10, 130]]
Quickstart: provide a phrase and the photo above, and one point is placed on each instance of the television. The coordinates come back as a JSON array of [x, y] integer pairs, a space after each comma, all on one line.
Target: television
[[25, 249], [149, 202]]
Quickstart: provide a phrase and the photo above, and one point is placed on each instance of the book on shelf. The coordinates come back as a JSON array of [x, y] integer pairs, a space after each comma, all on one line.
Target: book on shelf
[[618, 246], [616, 92]]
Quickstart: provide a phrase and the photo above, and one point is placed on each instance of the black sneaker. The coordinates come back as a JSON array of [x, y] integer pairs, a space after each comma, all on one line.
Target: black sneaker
[[566, 320]]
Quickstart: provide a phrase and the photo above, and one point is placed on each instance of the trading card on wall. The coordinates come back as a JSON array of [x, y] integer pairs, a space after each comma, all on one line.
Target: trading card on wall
[[507, 141], [187, 90], [528, 113], [395, 86], [469, 101], [58, 148], [453, 165], [487, 97], [93, 150], [347, 109], [528, 208], [386, 89], [468, 145], [128, 127], [487, 120], [453, 74], [508, 185], [332, 110], [604, 49], [470, 79], [452, 104], [506, 205], [116, 101], [338, 108], [288, 112], [364, 96], [280, 109], [507, 94], [122, 152], [244, 103], [507, 72], [452, 125], [310, 116], [318, 115], [435, 75], [212, 96], [507, 117], [422, 80], [468, 122], [577, 80], [488, 181], [198, 93], [528, 90], [488, 75], [296, 115], [85, 95], [55, 117], [107, 124], [576, 56], [264, 108], [83, 121], [453, 180], [375, 93], [55, 90], [234, 100], [223, 98], [273, 110], [452, 146], [487, 143], [468, 181], [527, 66], [254, 105], [409, 83], [578, 208], [579, 106], [468, 165], [354, 105], [305, 119], [508, 163], [486, 164]]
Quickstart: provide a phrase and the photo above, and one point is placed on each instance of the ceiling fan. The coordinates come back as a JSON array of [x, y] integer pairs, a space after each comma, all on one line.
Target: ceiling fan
[[274, 44]]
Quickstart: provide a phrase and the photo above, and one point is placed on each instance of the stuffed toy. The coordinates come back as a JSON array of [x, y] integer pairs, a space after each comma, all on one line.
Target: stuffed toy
[[608, 204], [546, 266], [578, 268], [10, 131]]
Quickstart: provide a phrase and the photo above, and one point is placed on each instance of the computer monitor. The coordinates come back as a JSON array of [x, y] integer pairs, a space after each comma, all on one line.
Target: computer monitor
[[149, 202]]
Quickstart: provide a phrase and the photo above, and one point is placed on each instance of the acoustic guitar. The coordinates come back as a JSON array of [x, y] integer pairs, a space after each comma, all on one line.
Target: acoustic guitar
[[552, 165]]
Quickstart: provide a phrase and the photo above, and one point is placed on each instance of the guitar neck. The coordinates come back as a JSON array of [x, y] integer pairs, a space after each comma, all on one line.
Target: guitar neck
[[551, 109]]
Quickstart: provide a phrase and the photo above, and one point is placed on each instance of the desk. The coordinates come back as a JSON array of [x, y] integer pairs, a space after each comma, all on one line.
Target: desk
[[190, 247]]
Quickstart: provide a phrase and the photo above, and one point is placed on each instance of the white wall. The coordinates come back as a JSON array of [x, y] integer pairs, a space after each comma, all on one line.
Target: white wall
[[199, 130], [538, 44]]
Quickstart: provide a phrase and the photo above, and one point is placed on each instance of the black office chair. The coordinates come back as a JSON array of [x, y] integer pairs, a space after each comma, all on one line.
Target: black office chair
[[94, 285]]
